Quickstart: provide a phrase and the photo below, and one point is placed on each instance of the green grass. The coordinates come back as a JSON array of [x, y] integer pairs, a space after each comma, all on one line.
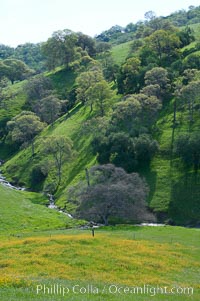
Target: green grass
[[196, 31], [125, 256], [63, 80], [23, 211], [120, 52]]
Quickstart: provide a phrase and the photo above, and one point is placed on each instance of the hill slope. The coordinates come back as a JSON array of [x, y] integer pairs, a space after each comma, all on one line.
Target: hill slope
[[169, 198], [70, 125], [20, 213]]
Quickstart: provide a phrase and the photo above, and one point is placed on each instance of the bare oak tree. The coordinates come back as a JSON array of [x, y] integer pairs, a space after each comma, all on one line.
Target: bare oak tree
[[112, 193]]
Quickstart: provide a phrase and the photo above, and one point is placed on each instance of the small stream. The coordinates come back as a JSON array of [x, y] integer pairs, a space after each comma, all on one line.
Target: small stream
[[4, 182], [7, 184], [51, 205]]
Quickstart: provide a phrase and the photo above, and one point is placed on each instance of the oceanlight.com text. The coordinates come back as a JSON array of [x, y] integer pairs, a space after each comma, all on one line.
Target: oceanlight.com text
[[148, 290]]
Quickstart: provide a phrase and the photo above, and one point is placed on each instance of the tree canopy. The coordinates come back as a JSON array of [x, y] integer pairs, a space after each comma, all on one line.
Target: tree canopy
[[112, 193], [14, 70], [24, 127]]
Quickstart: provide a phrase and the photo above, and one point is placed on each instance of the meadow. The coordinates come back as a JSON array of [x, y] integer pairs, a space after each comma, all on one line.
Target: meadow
[[108, 266]]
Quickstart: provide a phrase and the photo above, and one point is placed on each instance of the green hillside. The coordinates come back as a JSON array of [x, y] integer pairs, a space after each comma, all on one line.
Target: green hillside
[[173, 187], [120, 52], [163, 173], [11, 104], [72, 126], [23, 212], [175, 191]]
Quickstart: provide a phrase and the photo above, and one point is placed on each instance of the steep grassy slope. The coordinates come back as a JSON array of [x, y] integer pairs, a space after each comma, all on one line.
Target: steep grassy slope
[[174, 190], [19, 213], [62, 81], [196, 29], [13, 100], [168, 196], [120, 52], [70, 125]]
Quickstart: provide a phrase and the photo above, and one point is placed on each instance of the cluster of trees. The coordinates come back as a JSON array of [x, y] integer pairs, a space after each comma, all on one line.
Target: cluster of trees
[[161, 49], [148, 79], [42, 99], [93, 90], [121, 149], [23, 129], [69, 49], [14, 70], [185, 17], [29, 53], [43, 107], [118, 34], [65, 46], [126, 139]]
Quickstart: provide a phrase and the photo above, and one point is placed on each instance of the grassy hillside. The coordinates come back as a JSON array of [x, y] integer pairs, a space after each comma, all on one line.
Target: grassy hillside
[[169, 198], [70, 125], [167, 194], [13, 100], [174, 190], [62, 81], [125, 257], [22, 212], [196, 28], [120, 52]]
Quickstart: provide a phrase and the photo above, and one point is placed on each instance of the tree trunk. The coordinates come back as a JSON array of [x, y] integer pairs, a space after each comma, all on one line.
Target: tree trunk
[[174, 120], [191, 109], [52, 118], [105, 219], [32, 148], [59, 172], [102, 109], [87, 177], [91, 107], [58, 163]]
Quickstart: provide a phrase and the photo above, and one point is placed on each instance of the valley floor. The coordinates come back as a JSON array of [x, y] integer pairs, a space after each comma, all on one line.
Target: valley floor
[[118, 263]]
